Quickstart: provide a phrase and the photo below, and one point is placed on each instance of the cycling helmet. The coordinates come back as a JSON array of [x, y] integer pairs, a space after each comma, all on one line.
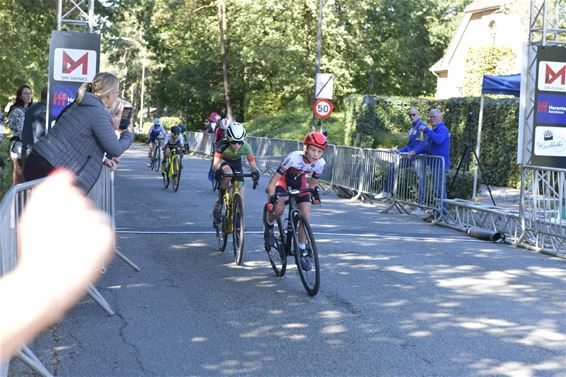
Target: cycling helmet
[[214, 117], [236, 132], [176, 130], [224, 123], [157, 122], [316, 139]]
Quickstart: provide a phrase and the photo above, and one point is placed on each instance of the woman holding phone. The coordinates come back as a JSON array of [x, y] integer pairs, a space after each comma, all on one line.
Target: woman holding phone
[[82, 135]]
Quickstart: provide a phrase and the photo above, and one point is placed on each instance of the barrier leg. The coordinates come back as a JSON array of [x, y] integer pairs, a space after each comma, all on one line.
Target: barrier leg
[[27, 357], [128, 261], [96, 296]]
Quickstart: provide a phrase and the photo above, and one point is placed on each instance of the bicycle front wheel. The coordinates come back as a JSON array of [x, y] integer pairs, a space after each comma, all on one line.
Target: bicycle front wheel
[[238, 233], [306, 260], [165, 175], [176, 173], [221, 234], [277, 253]]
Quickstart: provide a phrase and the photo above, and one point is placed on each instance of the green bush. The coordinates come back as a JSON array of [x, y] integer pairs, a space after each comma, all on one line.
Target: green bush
[[372, 122]]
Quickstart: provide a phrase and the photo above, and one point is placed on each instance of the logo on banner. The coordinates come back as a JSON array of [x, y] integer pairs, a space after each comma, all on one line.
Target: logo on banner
[[552, 76], [550, 141], [62, 96], [551, 109], [74, 65]]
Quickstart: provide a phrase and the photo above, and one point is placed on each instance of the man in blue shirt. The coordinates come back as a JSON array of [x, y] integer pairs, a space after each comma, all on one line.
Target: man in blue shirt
[[417, 144], [439, 145]]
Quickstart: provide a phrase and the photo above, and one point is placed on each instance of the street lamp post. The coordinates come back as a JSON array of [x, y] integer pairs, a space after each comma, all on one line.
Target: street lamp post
[[144, 64]]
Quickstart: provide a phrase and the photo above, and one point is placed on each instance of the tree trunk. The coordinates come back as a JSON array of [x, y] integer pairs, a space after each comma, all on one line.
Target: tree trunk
[[222, 24]]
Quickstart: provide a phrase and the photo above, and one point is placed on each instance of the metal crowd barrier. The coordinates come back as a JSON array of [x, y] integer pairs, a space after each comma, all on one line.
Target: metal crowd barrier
[[539, 225], [11, 206], [543, 209]]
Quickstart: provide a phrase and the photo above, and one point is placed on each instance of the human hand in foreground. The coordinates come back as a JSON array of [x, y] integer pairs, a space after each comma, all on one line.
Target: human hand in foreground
[[63, 243]]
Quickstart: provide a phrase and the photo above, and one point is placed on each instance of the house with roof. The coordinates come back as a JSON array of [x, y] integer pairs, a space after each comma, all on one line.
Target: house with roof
[[485, 23]]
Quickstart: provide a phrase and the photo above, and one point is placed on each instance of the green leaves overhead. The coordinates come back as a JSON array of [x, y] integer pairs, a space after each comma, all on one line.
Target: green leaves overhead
[[380, 47]]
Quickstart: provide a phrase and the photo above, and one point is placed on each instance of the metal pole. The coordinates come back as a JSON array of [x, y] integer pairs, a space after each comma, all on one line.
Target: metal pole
[[478, 143], [144, 61], [318, 51], [59, 14]]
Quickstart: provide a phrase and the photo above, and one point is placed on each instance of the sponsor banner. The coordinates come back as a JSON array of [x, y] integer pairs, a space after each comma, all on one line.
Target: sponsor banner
[[550, 141], [62, 95], [74, 58], [552, 76], [551, 109], [74, 65]]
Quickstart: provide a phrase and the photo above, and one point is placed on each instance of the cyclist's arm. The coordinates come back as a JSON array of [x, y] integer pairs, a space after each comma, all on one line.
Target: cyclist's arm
[[217, 161], [315, 199], [272, 185]]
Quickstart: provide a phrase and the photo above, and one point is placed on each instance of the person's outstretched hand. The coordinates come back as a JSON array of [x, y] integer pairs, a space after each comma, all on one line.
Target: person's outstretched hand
[[63, 243]]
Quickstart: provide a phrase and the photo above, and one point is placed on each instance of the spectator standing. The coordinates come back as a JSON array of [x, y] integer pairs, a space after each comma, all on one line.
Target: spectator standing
[[417, 144], [34, 124], [439, 145], [16, 117], [82, 135]]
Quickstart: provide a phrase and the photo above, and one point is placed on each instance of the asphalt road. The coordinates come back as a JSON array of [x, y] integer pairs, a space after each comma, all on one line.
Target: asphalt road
[[398, 297]]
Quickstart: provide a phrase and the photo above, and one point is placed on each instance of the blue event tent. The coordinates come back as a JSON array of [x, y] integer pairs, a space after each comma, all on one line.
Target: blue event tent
[[508, 84]]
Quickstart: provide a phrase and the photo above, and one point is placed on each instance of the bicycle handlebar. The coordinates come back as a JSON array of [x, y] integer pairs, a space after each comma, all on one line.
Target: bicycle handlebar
[[238, 174], [294, 192]]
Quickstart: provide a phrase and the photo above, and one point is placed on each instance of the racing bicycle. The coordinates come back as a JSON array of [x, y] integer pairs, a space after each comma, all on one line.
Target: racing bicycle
[[232, 216], [171, 169], [156, 154], [287, 240]]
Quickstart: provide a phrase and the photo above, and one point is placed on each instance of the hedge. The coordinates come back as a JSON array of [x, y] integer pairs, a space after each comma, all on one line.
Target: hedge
[[373, 122]]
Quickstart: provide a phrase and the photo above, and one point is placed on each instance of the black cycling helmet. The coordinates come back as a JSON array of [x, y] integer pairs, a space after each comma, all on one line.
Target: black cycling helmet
[[175, 130]]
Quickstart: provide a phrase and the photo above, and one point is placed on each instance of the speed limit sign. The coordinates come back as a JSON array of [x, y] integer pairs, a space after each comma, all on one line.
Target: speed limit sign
[[322, 108]]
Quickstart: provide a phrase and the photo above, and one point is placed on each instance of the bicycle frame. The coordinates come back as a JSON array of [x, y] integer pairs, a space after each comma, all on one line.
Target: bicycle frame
[[287, 240], [231, 192]]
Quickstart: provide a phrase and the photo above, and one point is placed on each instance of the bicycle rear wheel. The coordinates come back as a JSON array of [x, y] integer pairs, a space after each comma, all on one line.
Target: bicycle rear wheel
[[221, 234], [176, 173], [277, 253], [157, 158], [153, 160], [238, 229], [311, 277]]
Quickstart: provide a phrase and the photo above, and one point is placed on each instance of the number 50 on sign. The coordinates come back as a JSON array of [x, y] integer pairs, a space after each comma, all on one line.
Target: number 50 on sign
[[322, 108]]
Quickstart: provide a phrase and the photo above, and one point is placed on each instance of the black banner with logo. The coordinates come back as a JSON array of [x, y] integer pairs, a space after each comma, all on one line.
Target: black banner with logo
[[74, 58], [549, 134]]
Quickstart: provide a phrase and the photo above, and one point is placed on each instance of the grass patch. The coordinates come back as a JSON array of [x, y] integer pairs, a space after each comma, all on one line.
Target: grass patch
[[295, 126]]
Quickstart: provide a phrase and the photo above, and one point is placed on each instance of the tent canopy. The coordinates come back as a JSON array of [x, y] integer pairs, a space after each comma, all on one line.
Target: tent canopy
[[509, 84]]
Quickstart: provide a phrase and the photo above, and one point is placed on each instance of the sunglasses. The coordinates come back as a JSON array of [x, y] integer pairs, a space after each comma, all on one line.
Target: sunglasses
[[236, 142], [175, 134], [412, 115]]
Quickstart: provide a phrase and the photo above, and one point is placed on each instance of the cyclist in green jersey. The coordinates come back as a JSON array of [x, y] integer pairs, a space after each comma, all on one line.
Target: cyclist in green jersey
[[228, 159]]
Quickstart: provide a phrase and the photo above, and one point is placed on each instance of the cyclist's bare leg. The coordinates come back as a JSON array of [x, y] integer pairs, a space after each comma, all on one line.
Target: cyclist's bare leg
[[305, 208], [150, 150]]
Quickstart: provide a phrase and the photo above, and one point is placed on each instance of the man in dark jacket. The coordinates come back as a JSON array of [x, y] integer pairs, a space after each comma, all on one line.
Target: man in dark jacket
[[34, 124]]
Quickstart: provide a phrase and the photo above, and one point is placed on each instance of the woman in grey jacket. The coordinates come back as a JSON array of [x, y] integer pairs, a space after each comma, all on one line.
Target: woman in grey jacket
[[82, 135]]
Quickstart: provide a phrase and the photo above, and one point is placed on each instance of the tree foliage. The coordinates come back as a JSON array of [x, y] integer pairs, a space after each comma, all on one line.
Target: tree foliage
[[24, 45], [380, 47], [271, 49]]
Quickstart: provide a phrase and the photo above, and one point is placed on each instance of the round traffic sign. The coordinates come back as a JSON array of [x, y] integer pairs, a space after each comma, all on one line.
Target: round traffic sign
[[322, 108]]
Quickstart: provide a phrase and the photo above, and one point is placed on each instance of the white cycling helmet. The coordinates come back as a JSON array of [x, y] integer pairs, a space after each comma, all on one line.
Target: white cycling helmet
[[236, 132], [224, 123]]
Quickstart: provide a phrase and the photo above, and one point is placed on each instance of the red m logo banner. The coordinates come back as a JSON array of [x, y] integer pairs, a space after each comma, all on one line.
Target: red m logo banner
[[69, 65]]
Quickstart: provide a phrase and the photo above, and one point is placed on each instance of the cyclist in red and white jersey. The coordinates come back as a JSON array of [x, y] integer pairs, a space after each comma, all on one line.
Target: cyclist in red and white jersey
[[292, 173]]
